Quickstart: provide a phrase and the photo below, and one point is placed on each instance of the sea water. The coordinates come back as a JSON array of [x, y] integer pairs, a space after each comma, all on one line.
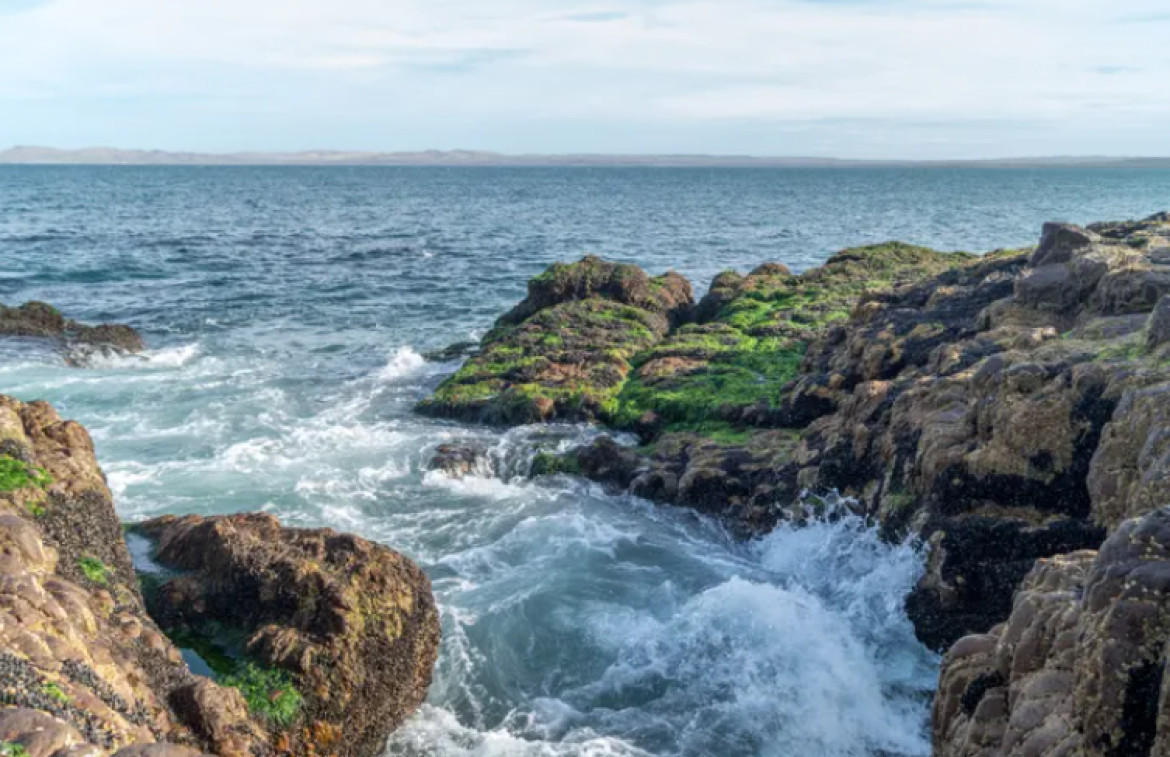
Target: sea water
[[287, 310]]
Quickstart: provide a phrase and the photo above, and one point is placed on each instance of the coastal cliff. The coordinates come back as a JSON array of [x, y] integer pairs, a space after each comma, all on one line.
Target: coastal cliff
[[336, 636], [1008, 411]]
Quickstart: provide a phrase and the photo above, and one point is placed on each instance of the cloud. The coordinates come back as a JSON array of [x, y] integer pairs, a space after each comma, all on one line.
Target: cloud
[[616, 76]]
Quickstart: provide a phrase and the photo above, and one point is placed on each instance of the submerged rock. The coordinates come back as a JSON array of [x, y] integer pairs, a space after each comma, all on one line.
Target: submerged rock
[[354, 622], [80, 342], [460, 460]]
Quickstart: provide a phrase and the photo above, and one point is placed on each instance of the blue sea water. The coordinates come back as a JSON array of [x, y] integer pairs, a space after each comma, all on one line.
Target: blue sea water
[[286, 309]]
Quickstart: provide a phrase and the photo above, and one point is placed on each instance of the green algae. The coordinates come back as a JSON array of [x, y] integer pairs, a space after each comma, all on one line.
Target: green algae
[[17, 474], [751, 348], [269, 692], [95, 570]]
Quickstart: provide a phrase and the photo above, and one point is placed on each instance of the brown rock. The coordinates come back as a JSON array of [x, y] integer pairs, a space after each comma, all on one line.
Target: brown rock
[[354, 622]]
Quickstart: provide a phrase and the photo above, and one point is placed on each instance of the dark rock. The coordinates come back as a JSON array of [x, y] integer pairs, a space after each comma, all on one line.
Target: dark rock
[[1060, 242], [1082, 655], [1158, 326], [452, 352], [42, 321], [459, 460]]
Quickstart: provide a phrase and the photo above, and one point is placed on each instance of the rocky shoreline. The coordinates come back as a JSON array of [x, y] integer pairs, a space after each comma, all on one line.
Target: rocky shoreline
[[1010, 411], [329, 640]]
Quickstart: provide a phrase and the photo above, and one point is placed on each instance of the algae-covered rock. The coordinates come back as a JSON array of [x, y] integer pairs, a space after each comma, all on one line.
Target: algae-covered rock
[[737, 363], [352, 622], [564, 352]]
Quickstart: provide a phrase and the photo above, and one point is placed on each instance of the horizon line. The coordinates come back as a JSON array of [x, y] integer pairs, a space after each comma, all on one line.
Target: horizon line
[[42, 155]]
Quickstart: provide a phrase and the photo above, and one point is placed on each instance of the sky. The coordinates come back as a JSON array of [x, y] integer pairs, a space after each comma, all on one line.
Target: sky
[[841, 78]]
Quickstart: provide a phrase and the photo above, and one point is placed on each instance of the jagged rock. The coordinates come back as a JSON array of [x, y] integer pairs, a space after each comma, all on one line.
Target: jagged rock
[[1060, 242], [459, 460], [354, 622], [1158, 325], [42, 321], [1077, 667], [1130, 470], [86, 672]]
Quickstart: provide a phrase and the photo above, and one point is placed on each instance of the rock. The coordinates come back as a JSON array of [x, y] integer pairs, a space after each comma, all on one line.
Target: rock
[[1129, 473], [353, 622], [452, 352], [1158, 325], [86, 672], [1060, 242], [563, 353], [42, 321], [460, 460], [593, 278], [1077, 667]]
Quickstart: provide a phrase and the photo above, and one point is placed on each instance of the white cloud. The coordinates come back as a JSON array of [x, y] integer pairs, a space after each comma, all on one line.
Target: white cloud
[[672, 65]]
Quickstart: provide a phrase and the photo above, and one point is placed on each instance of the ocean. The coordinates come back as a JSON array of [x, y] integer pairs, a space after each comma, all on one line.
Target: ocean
[[287, 310]]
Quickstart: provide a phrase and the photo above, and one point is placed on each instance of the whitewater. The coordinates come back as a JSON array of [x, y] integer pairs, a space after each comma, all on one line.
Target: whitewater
[[287, 311]]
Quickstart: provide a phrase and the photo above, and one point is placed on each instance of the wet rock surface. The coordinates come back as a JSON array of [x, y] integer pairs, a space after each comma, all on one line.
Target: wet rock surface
[[80, 342]]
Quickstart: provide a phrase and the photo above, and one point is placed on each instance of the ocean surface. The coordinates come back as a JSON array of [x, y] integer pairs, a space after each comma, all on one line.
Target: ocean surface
[[286, 309]]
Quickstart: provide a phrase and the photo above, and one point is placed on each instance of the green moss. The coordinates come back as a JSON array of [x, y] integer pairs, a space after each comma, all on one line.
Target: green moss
[[755, 372], [53, 690], [269, 692], [95, 570], [11, 749], [17, 474], [550, 463], [717, 431]]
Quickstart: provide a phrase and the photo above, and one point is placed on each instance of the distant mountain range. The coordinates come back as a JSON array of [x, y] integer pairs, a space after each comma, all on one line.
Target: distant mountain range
[[114, 156]]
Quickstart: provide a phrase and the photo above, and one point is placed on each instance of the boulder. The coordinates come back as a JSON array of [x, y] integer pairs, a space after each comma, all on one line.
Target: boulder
[[82, 665], [354, 623], [1060, 242], [41, 321], [564, 353], [458, 460]]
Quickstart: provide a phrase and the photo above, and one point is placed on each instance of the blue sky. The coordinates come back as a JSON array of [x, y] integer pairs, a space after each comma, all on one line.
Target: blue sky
[[847, 78]]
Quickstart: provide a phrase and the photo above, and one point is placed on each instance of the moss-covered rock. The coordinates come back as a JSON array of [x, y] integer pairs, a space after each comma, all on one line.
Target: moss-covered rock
[[737, 362], [564, 352]]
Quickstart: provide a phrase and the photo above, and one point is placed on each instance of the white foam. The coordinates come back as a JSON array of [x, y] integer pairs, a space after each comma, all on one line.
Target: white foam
[[167, 357], [435, 731], [403, 363]]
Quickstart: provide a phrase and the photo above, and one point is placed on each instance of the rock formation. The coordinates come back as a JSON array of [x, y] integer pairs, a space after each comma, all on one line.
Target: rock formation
[[1001, 408], [85, 670], [37, 320]]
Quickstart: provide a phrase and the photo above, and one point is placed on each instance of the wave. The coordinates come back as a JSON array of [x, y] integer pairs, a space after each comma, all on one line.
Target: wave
[[167, 357], [403, 363]]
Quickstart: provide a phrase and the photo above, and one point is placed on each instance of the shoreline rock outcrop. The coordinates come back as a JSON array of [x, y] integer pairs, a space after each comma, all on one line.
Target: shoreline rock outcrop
[[1011, 412], [85, 670]]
